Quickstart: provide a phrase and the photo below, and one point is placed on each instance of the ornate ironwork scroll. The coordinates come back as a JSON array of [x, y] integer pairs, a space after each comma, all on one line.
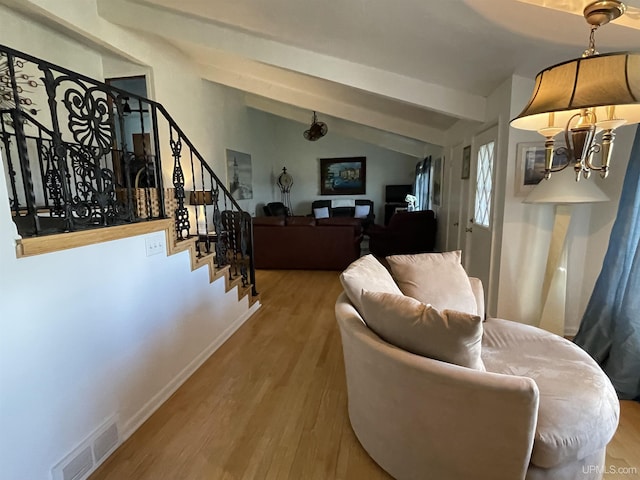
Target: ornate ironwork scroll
[[221, 241], [24, 85], [95, 196], [89, 119], [52, 179], [245, 224], [6, 142], [182, 214]]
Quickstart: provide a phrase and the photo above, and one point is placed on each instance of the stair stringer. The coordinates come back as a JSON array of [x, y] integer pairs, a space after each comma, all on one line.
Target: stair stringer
[[176, 246]]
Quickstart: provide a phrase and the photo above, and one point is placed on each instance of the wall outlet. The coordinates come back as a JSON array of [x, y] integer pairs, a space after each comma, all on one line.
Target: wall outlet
[[155, 244]]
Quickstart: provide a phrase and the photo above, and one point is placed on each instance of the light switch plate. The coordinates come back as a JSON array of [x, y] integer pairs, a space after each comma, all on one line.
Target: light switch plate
[[154, 245]]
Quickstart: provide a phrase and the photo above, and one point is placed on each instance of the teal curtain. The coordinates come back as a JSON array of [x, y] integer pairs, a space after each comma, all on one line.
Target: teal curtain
[[610, 328]]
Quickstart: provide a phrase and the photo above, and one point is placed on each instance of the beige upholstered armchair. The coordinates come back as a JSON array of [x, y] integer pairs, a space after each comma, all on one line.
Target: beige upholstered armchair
[[540, 410]]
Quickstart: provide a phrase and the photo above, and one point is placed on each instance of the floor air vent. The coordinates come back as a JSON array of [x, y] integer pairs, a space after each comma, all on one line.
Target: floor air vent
[[90, 454], [105, 443], [79, 466]]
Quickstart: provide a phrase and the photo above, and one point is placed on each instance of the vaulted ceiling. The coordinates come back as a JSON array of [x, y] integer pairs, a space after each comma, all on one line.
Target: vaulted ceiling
[[410, 67]]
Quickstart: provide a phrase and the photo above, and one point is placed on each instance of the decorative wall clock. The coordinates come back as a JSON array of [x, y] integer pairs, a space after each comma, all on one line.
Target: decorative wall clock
[[285, 181]]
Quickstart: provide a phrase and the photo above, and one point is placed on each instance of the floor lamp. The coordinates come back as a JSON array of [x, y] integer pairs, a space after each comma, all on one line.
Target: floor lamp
[[564, 192]]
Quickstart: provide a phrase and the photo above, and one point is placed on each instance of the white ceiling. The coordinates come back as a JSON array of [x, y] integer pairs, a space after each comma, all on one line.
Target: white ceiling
[[411, 67]]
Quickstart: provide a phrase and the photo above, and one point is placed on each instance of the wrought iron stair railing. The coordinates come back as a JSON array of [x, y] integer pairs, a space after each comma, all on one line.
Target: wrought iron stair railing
[[72, 162]]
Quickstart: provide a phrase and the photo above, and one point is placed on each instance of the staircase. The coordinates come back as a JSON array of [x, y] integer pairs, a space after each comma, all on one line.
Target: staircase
[[74, 176]]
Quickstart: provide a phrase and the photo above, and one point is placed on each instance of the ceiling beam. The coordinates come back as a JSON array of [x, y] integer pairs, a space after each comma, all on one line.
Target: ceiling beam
[[204, 33], [319, 101]]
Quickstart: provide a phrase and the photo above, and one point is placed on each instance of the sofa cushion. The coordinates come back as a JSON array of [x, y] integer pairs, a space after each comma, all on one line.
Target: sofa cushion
[[342, 211], [350, 221], [450, 336], [362, 211], [322, 212], [301, 221], [274, 221], [437, 279], [366, 272], [566, 431]]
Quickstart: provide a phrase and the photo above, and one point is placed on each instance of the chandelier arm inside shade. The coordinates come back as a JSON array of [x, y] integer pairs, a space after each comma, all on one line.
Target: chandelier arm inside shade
[[595, 148]]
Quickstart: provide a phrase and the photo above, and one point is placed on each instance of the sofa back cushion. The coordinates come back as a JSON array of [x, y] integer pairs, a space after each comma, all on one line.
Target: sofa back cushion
[[342, 211], [348, 221], [448, 335], [321, 212], [301, 221], [437, 279], [362, 211], [366, 273], [270, 221], [276, 209]]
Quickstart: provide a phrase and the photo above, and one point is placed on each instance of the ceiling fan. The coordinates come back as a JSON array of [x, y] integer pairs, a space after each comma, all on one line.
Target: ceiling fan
[[317, 129]]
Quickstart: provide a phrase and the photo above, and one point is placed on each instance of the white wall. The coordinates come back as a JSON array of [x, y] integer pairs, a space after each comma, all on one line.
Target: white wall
[[526, 229], [103, 329], [239, 128]]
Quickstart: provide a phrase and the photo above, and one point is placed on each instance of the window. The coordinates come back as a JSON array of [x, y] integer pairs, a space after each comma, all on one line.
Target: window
[[484, 184]]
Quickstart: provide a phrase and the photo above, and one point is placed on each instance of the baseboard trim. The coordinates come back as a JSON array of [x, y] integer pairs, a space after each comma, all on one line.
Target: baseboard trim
[[163, 395]]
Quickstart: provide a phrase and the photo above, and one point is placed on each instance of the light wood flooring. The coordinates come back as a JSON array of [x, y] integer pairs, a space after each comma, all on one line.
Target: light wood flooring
[[271, 403]]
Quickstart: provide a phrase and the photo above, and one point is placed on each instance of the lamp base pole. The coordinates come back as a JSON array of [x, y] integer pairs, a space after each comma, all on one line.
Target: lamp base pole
[[554, 288]]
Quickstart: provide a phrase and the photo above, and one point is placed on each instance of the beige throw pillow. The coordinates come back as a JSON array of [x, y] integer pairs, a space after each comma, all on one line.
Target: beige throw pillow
[[437, 279], [449, 336], [369, 273]]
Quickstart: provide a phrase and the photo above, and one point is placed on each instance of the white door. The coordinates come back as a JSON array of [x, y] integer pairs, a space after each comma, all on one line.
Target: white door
[[479, 228]]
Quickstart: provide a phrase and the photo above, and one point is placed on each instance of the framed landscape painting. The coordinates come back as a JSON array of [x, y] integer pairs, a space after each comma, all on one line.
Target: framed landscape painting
[[343, 176]]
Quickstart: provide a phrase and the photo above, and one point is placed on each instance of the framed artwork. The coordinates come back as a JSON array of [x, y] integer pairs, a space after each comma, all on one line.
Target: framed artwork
[[343, 176], [436, 186], [239, 175], [530, 168], [466, 163]]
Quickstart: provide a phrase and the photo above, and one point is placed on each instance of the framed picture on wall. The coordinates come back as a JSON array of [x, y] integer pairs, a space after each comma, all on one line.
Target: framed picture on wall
[[239, 174], [466, 163], [530, 168], [343, 176]]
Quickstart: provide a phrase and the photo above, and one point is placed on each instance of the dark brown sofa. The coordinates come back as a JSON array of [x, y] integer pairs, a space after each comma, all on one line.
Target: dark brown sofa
[[306, 243], [407, 232]]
